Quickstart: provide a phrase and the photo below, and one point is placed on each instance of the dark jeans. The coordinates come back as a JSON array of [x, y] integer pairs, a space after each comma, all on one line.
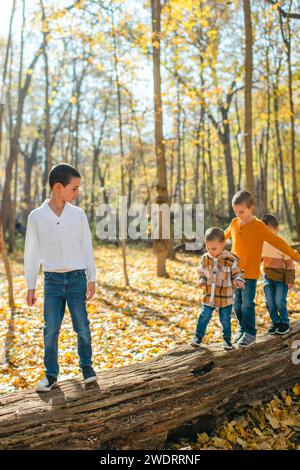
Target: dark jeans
[[205, 316], [275, 295], [244, 307], [62, 288]]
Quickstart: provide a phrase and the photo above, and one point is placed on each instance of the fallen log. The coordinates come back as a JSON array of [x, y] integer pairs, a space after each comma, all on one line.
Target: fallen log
[[140, 406]]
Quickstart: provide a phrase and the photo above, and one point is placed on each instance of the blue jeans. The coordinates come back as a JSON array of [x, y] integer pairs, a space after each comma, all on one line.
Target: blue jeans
[[205, 316], [244, 307], [275, 295], [62, 288]]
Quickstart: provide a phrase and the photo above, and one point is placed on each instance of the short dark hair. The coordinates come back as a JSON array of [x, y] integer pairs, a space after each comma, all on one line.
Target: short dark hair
[[214, 233], [270, 219], [62, 173], [243, 197]]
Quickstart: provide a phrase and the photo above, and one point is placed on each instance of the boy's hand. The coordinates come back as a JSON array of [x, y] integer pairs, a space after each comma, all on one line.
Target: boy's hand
[[90, 291], [290, 286], [239, 284], [30, 298]]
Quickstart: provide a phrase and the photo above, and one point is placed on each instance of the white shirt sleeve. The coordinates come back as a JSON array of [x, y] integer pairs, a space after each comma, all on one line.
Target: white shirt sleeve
[[87, 245], [32, 253]]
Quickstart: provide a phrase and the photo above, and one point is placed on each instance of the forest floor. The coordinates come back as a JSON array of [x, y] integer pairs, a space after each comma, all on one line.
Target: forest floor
[[134, 324]]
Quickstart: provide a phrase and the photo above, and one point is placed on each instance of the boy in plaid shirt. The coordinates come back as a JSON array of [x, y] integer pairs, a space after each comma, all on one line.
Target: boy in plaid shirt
[[219, 274]]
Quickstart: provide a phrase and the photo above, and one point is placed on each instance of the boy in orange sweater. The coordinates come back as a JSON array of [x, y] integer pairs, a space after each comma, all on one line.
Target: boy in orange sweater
[[248, 235]]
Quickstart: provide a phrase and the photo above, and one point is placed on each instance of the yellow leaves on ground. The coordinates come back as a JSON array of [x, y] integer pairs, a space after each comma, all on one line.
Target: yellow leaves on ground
[[273, 426], [296, 390]]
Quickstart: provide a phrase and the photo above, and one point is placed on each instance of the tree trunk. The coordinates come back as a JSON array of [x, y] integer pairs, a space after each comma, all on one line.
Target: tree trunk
[[184, 163], [248, 97], [7, 267], [280, 156], [47, 130], [211, 185], [223, 132], [287, 39], [141, 405], [141, 149], [197, 160], [14, 144], [178, 197], [123, 235], [161, 245], [239, 150], [96, 153], [5, 69], [225, 139], [266, 158]]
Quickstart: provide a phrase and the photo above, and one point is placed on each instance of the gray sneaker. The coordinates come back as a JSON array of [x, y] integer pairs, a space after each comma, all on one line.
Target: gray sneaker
[[227, 344], [246, 340], [196, 342]]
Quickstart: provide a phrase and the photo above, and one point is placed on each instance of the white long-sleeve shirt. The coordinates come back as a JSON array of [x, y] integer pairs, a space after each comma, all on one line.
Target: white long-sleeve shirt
[[59, 244]]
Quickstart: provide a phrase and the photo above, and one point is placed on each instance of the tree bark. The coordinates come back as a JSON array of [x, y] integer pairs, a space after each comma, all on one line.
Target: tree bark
[[139, 406]]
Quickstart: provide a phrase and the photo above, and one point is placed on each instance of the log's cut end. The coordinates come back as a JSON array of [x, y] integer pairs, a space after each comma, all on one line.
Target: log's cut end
[[140, 406]]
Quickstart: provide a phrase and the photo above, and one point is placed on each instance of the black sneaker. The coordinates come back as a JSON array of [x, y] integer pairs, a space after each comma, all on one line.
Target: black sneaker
[[227, 345], [272, 328], [89, 375], [282, 329], [196, 342]]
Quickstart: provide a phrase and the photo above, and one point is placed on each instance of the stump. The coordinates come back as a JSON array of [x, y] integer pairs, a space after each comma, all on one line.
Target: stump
[[141, 405]]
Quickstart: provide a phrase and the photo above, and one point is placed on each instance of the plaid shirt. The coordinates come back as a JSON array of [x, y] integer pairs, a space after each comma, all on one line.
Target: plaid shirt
[[219, 275]]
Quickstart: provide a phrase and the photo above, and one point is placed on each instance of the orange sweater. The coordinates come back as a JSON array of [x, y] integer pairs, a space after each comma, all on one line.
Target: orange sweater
[[247, 244]]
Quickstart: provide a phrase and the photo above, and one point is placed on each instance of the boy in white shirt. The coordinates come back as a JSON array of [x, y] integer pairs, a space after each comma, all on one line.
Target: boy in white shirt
[[58, 236]]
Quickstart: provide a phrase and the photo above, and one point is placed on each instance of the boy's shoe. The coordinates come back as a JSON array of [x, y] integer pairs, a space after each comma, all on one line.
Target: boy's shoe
[[282, 328], [89, 375], [46, 384], [227, 345], [237, 338], [196, 342], [272, 328], [246, 340]]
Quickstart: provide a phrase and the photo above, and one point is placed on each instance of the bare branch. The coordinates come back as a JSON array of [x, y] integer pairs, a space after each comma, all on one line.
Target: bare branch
[[294, 16]]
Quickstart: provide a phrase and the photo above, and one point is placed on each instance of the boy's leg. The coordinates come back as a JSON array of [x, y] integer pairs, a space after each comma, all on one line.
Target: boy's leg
[[269, 291], [75, 294], [281, 291], [225, 319], [248, 306], [54, 309], [238, 309], [203, 320]]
